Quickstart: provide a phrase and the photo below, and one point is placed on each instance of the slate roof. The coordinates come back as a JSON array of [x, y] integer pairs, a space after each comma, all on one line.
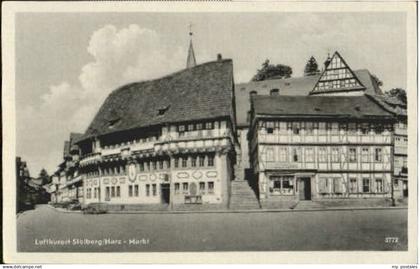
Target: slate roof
[[391, 104], [351, 107], [201, 92], [290, 86]]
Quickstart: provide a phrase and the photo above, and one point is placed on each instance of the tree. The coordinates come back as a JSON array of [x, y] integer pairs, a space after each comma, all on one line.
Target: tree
[[44, 176], [311, 67], [271, 71], [398, 93]]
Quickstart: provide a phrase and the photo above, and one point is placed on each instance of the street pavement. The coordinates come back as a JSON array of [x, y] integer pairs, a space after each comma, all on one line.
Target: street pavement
[[48, 230]]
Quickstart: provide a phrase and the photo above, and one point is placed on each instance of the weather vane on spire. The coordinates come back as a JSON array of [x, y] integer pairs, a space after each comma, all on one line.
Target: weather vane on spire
[[191, 57], [190, 26]]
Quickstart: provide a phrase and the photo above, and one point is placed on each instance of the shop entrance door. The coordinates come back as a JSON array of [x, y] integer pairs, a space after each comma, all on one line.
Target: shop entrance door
[[305, 188], [165, 192]]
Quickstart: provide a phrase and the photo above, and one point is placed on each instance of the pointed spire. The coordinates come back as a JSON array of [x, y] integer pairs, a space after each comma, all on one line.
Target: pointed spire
[[191, 56]]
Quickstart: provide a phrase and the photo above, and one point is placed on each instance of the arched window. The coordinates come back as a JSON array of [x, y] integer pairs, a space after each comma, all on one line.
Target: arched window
[[252, 93]]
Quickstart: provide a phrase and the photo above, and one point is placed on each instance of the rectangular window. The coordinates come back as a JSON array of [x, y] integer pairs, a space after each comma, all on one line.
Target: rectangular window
[[309, 128], [352, 129], [270, 155], [379, 185], [154, 189], [176, 187], [176, 162], [147, 189], [136, 190], [199, 126], [352, 155], [181, 130], [210, 187], [184, 161], [210, 160], [322, 155], [364, 128], [296, 128], [191, 127], [366, 185], [281, 185], [130, 190], [185, 187], [337, 185], [201, 161], [209, 125], [365, 155], [323, 185], [95, 193], [193, 161], [296, 157], [107, 193], [118, 191], [309, 155], [335, 155], [141, 166], [160, 164], [378, 155], [112, 191], [154, 165], [353, 185], [202, 186], [283, 154]]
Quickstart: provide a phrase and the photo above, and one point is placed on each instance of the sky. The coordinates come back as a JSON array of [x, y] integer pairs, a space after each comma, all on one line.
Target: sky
[[67, 63]]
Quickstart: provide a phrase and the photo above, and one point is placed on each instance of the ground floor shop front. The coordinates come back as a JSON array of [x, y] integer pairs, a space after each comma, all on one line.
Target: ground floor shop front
[[284, 185]]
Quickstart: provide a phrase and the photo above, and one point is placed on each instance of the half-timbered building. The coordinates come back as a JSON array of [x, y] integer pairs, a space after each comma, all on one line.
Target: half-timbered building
[[168, 141], [321, 147]]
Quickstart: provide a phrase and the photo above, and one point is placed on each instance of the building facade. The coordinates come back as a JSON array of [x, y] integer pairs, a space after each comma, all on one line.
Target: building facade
[[66, 183], [166, 142], [316, 147]]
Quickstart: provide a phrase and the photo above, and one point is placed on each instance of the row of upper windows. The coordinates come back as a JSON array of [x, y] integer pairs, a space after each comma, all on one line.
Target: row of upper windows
[[335, 155], [199, 160], [201, 186], [333, 127], [181, 129]]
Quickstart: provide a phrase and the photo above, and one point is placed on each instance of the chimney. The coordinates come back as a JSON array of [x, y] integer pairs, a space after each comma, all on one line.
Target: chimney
[[219, 57]]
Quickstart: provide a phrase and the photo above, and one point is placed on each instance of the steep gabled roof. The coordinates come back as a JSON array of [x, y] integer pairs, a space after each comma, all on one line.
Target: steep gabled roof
[[290, 86], [337, 77], [352, 107], [201, 92]]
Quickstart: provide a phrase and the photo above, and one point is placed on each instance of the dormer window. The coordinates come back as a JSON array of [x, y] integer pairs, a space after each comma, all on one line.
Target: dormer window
[[162, 110], [113, 122], [274, 92]]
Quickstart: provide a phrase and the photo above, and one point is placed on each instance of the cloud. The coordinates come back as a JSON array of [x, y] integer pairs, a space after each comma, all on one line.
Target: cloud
[[120, 56]]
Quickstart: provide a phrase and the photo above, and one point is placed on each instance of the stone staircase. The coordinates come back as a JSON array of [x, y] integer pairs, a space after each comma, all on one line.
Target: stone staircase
[[242, 196]]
